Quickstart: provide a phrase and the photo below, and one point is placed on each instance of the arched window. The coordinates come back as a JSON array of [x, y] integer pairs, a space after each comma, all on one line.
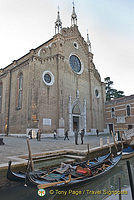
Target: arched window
[[0, 96], [128, 110], [19, 91], [112, 113]]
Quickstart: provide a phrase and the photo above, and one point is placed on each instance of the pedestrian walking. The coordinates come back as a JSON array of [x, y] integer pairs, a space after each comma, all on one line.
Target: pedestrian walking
[[55, 134], [82, 135], [66, 135], [39, 135], [76, 132], [97, 131]]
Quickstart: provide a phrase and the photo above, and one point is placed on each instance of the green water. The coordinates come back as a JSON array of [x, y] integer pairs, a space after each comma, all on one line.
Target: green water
[[104, 185]]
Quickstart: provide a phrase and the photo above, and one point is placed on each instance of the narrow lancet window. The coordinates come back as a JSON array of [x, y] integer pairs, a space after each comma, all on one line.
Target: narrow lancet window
[[128, 110], [19, 91], [113, 113]]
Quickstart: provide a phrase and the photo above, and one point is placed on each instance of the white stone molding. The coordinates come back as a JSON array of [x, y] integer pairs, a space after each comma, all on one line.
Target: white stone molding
[[75, 44], [39, 52], [52, 78], [77, 94]]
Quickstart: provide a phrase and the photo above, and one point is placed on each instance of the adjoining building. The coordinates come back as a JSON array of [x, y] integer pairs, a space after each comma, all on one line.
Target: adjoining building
[[119, 114], [55, 86]]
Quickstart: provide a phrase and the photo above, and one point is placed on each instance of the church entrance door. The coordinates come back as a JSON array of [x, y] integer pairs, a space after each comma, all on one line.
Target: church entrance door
[[111, 128], [76, 122]]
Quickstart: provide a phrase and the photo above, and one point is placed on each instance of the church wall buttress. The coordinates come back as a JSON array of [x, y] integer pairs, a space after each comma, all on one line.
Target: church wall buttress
[[5, 79]]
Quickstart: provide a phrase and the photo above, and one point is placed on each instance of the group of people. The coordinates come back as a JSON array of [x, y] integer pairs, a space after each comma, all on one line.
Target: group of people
[[38, 136], [76, 133]]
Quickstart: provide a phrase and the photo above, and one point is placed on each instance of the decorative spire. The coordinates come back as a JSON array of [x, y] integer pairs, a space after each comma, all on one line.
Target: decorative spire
[[73, 16], [89, 43], [58, 23]]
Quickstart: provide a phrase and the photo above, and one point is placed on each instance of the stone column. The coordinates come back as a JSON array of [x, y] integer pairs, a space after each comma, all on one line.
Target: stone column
[[70, 115], [84, 115]]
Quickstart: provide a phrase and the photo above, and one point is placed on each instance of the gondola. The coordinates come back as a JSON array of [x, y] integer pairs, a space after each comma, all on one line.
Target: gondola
[[21, 176], [127, 153], [94, 162], [72, 177]]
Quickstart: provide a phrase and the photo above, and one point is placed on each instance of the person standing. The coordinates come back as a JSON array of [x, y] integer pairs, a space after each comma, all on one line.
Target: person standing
[[5, 129], [76, 136], [66, 135], [97, 131], [82, 135], [39, 135], [55, 133], [30, 134]]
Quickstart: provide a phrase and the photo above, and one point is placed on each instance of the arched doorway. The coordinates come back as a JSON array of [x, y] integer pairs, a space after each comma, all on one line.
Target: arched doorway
[[76, 117], [77, 114]]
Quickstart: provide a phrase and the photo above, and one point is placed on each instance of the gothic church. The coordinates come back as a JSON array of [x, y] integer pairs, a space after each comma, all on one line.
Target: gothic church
[[55, 86]]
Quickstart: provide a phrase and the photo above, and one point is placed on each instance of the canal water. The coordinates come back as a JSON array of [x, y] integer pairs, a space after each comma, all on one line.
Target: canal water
[[105, 187]]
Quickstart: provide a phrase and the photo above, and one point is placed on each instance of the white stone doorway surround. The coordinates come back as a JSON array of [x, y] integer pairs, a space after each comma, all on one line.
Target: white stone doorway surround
[[77, 112]]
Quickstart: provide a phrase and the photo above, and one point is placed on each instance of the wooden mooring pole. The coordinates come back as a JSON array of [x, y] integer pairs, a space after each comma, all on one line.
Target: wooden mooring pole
[[130, 178], [114, 141], [87, 149], [30, 156], [119, 188], [121, 141]]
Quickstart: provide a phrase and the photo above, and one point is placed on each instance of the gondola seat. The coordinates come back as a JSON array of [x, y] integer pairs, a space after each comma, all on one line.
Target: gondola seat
[[84, 171], [81, 171]]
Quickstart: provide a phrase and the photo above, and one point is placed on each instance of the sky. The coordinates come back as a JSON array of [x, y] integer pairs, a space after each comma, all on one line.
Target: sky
[[25, 25]]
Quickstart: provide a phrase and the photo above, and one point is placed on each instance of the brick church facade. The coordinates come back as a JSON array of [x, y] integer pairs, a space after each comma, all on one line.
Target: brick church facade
[[55, 86]]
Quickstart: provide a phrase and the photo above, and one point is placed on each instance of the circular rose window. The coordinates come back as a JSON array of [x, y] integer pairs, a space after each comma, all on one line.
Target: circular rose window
[[97, 93], [75, 63], [48, 78], [75, 45]]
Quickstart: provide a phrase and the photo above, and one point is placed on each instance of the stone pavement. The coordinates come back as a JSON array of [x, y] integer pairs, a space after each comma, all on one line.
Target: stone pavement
[[15, 146]]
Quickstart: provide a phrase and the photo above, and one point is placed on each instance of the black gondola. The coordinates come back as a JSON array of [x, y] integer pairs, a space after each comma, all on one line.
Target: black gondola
[[78, 175], [20, 176]]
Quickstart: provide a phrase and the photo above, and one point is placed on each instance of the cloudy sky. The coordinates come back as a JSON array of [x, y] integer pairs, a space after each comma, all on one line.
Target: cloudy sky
[[29, 23]]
